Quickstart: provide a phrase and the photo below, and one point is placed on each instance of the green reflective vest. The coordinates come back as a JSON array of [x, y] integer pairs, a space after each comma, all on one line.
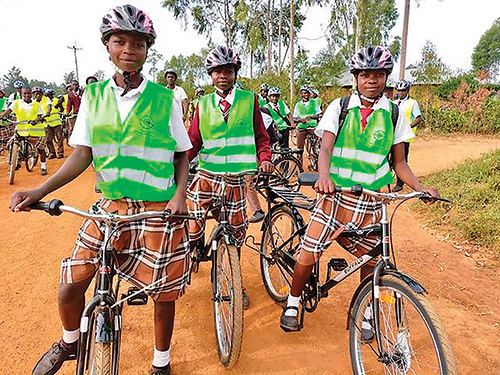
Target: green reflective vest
[[227, 147], [360, 157], [22, 116], [53, 120], [2, 103], [262, 101], [132, 157], [304, 109], [279, 120]]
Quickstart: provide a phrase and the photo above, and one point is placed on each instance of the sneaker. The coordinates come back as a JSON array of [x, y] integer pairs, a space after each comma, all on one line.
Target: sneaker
[[289, 323], [397, 188], [367, 332], [53, 359], [256, 217], [246, 300], [160, 370], [43, 171]]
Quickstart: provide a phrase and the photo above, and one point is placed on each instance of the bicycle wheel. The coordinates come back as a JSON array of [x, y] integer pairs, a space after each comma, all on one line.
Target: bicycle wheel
[[31, 156], [413, 338], [99, 353], [13, 159], [276, 274], [228, 303], [289, 168]]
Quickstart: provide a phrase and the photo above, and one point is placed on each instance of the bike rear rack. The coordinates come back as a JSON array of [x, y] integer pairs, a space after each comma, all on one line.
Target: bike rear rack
[[294, 198]]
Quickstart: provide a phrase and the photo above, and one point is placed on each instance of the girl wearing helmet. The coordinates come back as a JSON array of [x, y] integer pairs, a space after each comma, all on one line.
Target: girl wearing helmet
[[149, 173], [263, 98], [354, 152], [281, 115], [18, 85], [230, 120]]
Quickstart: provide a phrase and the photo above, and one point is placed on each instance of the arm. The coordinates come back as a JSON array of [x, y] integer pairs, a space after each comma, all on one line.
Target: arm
[[78, 161], [195, 136], [184, 104], [417, 121], [177, 204], [325, 185], [261, 139]]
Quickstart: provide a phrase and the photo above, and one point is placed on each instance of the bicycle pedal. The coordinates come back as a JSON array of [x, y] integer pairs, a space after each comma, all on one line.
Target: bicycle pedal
[[337, 264], [137, 300]]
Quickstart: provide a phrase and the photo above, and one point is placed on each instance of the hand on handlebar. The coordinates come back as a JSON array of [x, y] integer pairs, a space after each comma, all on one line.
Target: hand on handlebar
[[432, 192], [266, 167], [324, 185], [21, 200]]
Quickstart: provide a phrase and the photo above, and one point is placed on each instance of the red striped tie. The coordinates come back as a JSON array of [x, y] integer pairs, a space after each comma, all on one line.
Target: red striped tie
[[225, 108], [365, 112]]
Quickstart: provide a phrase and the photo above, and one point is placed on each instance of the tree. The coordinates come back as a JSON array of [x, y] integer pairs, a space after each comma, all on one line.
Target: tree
[[153, 59], [430, 69], [190, 69], [486, 55], [69, 77], [14, 74], [100, 75]]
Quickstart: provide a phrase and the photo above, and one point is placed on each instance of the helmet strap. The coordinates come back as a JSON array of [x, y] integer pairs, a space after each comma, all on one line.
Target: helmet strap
[[223, 92], [367, 99]]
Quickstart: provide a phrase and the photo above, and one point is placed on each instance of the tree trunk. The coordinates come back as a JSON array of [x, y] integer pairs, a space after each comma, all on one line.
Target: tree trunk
[[268, 31], [251, 63], [228, 24], [404, 41], [280, 20], [292, 67]]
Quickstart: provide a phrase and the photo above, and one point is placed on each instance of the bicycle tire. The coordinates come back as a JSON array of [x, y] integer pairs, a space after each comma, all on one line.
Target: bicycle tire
[[275, 273], [428, 349], [99, 354], [312, 149], [289, 168], [14, 155], [31, 157], [228, 303]]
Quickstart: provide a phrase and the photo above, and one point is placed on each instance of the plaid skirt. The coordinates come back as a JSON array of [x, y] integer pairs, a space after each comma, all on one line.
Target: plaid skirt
[[38, 142], [146, 250], [6, 133], [204, 191], [332, 212]]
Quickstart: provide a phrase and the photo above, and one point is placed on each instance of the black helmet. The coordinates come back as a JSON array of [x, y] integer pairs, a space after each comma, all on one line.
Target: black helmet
[[372, 58], [127, 18], [221, 56], [170, 71]]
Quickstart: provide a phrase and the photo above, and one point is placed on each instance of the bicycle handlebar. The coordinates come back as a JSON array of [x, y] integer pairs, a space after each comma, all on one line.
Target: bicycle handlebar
[[358, 190], [55, 207]]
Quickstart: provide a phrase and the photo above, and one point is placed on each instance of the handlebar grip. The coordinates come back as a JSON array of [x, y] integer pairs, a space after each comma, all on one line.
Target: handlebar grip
[[52, 207], [356, 190]]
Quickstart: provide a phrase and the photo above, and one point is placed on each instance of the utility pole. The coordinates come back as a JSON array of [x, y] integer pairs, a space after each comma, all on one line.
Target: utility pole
[[404, 41], [74, 48], [292, 62]]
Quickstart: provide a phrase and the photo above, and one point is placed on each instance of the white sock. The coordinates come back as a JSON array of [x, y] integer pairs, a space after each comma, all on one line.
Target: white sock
[[292, 301], [69, 337], [161, 358], [368, 312], [43, 165]]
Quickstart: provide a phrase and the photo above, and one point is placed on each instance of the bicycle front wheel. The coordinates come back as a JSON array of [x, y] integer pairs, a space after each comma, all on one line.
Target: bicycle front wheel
[[228, 303], [289, 168], [276, 272], [14, 156], [413, 338], [31, 156]]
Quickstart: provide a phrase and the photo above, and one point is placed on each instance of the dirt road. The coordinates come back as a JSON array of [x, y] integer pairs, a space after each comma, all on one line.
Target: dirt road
[[465, 294]]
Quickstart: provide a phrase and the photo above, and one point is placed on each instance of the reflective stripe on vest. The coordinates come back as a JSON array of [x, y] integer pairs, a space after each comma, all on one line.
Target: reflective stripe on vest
[[21, 116], [305, 109], [134, 157], [360, 156], [280, 122], [227, 147]]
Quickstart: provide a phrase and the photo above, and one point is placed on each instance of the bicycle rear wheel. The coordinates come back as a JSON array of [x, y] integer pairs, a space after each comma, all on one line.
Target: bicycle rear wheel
[[413, 338], [228, 303], [31, 156], [276, 273], [289, 168], [13, 159]]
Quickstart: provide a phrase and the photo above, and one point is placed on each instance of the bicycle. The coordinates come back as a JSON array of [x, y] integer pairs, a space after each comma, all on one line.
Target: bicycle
[[101, 322], [408, 333], [288, 166], [227, 287], [20, 149], [312, 145]]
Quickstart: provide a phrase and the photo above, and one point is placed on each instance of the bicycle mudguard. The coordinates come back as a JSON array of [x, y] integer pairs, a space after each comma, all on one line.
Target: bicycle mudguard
[[412, 283], [104, 327]]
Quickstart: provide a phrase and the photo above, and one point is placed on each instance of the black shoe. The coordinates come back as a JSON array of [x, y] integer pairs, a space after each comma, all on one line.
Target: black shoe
[[289, 323], [160, 370], [397, 188], [53, 359], [246, 300], [256, 217], [367, 332]]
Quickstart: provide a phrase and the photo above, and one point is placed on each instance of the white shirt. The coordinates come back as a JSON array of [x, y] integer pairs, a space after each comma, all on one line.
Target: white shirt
[[330, 120], [81, 132], [26, 107], [229, 98], [415, 112], [179, 94]]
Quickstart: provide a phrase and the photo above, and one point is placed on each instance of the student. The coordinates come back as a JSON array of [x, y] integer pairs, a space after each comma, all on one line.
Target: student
[[179, 93], [358, 155], [263, 99], [54, 129], [281, 115], [228, 133], [148, 173]]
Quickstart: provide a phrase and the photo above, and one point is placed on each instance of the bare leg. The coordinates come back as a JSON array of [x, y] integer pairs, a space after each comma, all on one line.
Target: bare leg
[[164, 324], [71, 301]]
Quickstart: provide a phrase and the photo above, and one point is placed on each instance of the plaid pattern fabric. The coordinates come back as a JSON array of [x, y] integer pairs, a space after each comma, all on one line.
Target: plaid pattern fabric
[[332, 212], [146, 250], [204, 191], [38, 142], [6, 133]]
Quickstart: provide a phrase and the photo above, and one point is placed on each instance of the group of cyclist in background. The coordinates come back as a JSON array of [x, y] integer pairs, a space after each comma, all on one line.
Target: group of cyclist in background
[[229, 133]]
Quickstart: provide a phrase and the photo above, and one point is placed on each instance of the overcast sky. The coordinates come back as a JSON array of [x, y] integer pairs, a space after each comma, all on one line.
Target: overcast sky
[[35, 34]]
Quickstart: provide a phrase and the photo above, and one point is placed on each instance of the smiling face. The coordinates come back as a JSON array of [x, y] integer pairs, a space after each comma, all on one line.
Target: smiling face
[[274, 98], [127, 50], [371, 83], [27, 94], [305, 94], [223, 77]]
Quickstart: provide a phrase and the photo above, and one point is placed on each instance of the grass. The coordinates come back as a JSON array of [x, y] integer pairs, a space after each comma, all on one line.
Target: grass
[[474, 189]]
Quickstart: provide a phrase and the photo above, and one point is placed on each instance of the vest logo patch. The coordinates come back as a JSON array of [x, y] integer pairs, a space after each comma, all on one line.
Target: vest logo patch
[[379, 135], [146, 124]]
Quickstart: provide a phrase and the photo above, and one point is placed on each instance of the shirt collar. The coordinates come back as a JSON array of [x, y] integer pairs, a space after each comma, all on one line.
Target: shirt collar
[[229, 98], [382, 103], [133, 92]]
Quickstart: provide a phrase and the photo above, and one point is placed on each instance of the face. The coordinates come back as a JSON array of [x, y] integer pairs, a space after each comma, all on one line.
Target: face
[[305, 94], [223, 77], [371, 82], [128, 51], [402, 94], [74, 86], [263, 93], [170, 79], [27, 95], [38, 95], [274, 98]]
